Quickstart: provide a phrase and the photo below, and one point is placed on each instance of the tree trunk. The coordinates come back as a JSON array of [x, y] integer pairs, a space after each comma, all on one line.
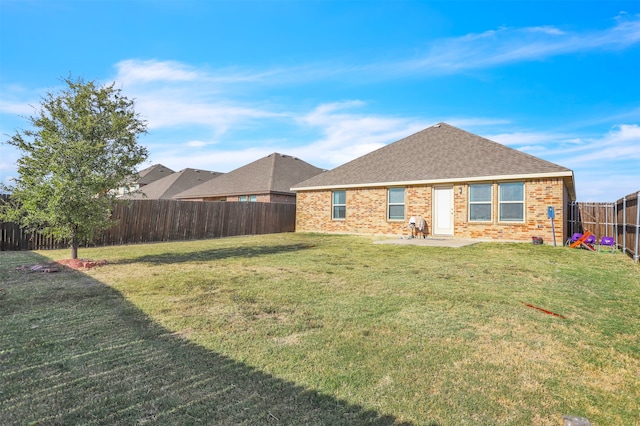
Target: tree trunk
[[74, 243]]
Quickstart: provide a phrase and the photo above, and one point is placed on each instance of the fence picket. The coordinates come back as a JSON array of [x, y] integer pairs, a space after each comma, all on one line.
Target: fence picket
[[141, 221], [620, 220]]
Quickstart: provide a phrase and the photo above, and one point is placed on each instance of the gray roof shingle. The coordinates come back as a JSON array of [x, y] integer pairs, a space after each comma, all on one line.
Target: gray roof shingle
[[153, 173], [275, 173], [173, 184], [439, 153]]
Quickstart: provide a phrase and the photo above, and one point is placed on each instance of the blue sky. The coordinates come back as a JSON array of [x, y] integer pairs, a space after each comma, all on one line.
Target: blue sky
[[224, 83]]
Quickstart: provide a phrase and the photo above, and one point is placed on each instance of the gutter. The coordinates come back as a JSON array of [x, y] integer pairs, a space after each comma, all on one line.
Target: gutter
[[442, 181]]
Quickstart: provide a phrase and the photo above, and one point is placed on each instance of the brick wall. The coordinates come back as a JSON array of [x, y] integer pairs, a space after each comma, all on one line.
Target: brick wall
[[260, 198], [282, 198], [366, 212]]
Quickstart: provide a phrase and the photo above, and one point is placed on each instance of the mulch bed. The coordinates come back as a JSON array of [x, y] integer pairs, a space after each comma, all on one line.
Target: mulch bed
[[61, 264]]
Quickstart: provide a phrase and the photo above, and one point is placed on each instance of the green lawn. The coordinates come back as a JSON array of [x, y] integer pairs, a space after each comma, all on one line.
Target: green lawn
[[317, 329]]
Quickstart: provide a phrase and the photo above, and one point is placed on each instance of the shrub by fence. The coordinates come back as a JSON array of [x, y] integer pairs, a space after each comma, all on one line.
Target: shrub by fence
[[620, 220], [142, 221]]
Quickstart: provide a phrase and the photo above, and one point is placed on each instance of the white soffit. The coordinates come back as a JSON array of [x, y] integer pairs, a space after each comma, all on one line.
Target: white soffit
[[440, 181]]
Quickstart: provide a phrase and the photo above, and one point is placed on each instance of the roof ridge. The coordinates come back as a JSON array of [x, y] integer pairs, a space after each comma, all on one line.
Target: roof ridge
[[272, 171], [508, 147], [438, 153]]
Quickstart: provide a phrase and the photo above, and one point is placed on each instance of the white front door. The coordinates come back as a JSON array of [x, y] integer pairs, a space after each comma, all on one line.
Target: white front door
[[443, 211]]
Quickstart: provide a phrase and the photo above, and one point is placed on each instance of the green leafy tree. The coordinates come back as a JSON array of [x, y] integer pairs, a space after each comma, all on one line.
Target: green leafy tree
[[82, 145]]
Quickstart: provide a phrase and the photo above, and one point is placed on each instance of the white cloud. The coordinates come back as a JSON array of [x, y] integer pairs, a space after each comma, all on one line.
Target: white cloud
[[217, 161], [170, 94], [546, 29], [520, 139], [473, 122], [197, 144], [490, 48], [555, 147], [163, 112], [174, 96], [15, 107], [621, 143], [346, 136], [8, 168], [135, 71], [599, 163], [510, 45], [140, 72]]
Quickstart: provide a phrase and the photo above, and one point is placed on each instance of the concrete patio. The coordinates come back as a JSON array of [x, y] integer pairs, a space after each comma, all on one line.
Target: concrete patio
[[429, 241]]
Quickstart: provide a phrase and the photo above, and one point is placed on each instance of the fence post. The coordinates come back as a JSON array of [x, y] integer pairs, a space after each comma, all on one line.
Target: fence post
[[635, 253], [624, 224], [573, 205], [613, 218], [570, 217], [609, 217], [615, 212]]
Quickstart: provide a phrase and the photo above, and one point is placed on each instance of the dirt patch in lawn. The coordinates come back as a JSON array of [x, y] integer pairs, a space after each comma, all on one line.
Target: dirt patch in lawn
[[61, 264], [82, 263]]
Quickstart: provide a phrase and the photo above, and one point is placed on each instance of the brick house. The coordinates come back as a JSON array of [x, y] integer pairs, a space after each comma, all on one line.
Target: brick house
[[464, 185], [172, 184], [145, 177], [267, 180]]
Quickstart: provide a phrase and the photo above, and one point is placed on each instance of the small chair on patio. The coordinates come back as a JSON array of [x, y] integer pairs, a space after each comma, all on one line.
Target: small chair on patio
[[591, 240], [587, 240], [607, 242], [575, 237]]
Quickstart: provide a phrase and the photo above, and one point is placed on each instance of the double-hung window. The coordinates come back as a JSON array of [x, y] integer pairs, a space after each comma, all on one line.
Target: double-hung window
[[511, 202], [339, 205], [480, 202], [395, 204]]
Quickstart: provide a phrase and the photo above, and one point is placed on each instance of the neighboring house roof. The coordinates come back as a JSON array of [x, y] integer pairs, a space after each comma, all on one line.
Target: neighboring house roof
[[173, 184], [275, 173], [152, 174], [439, 154]]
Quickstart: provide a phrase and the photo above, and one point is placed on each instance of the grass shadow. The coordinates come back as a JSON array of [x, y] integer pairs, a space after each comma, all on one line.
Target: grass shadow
[[214, 254], [73, 350]]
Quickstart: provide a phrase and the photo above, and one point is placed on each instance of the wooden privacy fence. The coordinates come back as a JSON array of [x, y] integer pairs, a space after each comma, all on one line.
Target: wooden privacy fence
[[620, 220], [142, 221], [12, 237]]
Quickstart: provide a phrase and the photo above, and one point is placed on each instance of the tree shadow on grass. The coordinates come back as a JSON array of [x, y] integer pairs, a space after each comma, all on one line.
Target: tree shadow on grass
[[73, 350], [215, 254]]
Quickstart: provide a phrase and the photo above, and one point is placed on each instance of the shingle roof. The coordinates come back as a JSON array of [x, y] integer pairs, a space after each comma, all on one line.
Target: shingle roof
[[153, 173], [437, 154], [173, 184], [275, 173]]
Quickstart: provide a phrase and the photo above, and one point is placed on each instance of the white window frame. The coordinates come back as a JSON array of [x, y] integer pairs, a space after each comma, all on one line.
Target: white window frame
[[339, 205], [483, 202], [511, 202], [396, 204]]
